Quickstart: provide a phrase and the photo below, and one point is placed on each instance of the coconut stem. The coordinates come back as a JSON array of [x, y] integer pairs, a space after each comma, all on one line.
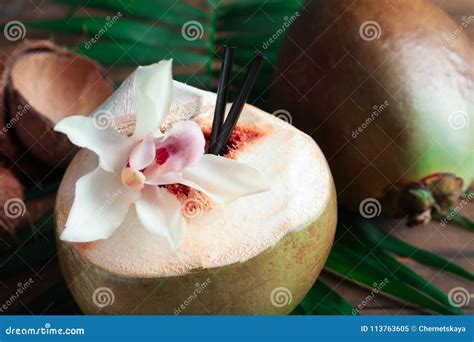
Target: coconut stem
[[431, 197]]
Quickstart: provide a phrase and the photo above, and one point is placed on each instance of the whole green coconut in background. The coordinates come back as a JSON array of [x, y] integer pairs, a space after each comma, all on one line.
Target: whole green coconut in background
[[386, 88]]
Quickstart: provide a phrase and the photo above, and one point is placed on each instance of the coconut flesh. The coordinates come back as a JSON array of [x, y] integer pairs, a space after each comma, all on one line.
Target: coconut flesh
[[257, 255]]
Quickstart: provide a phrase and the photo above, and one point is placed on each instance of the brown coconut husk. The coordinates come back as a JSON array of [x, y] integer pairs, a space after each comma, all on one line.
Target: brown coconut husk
[[8, 150], [12, 154], [45, 83]]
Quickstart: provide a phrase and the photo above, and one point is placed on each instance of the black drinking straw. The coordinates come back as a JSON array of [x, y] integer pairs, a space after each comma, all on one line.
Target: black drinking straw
[[221, 101], [238, 105]]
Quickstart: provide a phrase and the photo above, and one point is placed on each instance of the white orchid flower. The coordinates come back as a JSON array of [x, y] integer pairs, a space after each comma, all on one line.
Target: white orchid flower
[[135, 166]]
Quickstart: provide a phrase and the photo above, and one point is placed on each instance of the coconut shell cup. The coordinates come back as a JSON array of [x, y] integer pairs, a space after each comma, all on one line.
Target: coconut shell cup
[[43, 84], [272, 283], [258, 255]]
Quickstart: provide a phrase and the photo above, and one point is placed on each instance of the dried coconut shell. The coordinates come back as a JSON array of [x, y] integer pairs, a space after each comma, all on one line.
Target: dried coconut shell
[[8, 150], [12, 154], [45, 83]]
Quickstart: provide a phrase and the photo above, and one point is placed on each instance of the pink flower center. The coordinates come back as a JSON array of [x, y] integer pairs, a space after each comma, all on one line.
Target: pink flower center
[[162, 155], [155, 160]]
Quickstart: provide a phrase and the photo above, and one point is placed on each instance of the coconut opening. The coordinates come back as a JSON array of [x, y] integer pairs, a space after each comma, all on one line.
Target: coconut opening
[[195, 200], [62, 85], [240, 136]]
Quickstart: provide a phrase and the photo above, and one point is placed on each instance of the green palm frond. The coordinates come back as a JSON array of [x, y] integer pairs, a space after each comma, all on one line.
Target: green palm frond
[[137, 32], [123, 30], [392, 244], [193, 35], [163, 11], [455, 217]]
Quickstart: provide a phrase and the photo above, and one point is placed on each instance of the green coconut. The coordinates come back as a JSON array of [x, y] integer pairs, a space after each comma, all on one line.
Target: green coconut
[[257, 255], [386, 88]]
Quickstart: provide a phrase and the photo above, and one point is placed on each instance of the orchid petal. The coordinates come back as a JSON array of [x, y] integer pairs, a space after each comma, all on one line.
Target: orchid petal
[[100, 205], [224, 180], [190, 138], [112, 148], [160, 213], [165, 179], [143, 154], [154, 85], [182, 146]]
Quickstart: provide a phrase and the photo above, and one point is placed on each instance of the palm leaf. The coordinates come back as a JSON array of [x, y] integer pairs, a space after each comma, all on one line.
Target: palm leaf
[[259, 21], [347, 262], [371, 252], [244, 8], [158, 11], [455, 217], [123, 30], [134, 54], [149, 30], [390, 243]]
